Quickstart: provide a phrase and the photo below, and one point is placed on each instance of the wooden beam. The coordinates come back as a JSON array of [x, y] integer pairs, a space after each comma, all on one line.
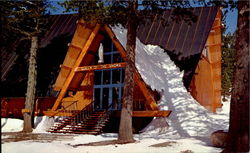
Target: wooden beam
[[142, 85], [65, 67], [205, 58], [57, 113], [100, 67], [151, 102], [116, 42], [74, 46], [77, 64], [80, 22], [25, 110], [211, 45], [162, 113], [217, 27]]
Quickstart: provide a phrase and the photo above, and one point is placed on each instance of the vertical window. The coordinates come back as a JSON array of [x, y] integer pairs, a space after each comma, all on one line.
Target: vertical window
[[109, 83]]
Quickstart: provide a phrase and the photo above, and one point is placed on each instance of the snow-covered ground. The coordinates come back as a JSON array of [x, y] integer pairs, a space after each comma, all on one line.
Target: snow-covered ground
[[197, 144], [190, 124]]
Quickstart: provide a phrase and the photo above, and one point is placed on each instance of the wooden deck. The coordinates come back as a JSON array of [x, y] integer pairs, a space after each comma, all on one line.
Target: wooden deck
[[149, 113]]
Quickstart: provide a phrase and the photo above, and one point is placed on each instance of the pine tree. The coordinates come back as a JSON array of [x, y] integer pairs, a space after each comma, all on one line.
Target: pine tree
[[27, 19], [228, 60], [239, 108]]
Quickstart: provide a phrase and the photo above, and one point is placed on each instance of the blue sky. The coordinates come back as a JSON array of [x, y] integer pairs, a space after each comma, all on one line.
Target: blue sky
[[231, 21], [231, 18]]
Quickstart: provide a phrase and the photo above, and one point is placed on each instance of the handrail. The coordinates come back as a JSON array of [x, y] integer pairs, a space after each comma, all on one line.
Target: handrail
[[107, 114], [84, 113], [64, 108], [109, 107]]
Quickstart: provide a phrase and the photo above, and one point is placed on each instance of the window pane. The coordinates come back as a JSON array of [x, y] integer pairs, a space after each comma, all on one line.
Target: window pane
[[106, 44], [106, 76], [116, 74], [98, 77], [113, 47], [97, 98], [117, 58], [105, 98], [107, 59]]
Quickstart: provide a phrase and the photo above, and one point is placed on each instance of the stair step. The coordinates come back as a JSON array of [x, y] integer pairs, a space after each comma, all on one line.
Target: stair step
[[91, 120], [84, 130], [93, 124], [78, 132], [87, 128]]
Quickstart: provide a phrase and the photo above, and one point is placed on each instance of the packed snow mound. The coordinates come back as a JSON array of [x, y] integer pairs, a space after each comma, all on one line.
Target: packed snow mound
[[188, 117], [11, 125], [43, 123]]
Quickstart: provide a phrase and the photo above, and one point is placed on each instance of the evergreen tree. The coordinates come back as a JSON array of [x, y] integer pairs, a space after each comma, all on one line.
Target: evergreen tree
[[228, 60], [239, 109], [26, 19]]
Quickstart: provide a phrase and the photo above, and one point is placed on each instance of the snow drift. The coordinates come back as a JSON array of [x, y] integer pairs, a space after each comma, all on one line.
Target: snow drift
[[188, 117]]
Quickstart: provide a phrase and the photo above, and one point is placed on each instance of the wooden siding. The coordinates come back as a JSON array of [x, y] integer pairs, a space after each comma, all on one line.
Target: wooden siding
[[73, 79], [206, 83], [83, 97], [11, 107]]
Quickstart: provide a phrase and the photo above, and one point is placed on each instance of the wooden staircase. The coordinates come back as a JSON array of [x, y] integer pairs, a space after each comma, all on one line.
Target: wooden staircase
[[83, 122]]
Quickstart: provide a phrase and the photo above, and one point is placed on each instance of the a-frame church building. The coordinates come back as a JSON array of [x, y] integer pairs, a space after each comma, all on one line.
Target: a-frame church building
[[89, 85]]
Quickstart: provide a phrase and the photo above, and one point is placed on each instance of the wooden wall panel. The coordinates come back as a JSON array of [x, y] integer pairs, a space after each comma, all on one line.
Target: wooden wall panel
[[11, 107], [83, 97], [87, 60], [201, 86], [79, 39], [206, 84]]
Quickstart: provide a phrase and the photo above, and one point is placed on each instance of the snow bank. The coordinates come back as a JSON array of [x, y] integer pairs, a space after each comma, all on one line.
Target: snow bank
[[188, 117], [11, 125], [43, 123]]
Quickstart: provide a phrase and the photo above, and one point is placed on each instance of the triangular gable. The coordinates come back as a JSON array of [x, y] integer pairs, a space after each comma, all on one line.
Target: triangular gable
[[183, 42], [84, 44], [80, 39]]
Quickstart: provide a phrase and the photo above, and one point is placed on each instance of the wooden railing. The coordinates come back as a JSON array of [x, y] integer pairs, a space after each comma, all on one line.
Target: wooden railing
[[107, 114]]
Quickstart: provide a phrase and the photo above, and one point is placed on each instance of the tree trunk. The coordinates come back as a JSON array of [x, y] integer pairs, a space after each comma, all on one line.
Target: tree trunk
[[31, 87], [125, 130], [239, 111]]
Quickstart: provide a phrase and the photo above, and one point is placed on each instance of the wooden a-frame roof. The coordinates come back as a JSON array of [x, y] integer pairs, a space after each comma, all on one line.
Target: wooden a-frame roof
[[80, 55], [183, 42]]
